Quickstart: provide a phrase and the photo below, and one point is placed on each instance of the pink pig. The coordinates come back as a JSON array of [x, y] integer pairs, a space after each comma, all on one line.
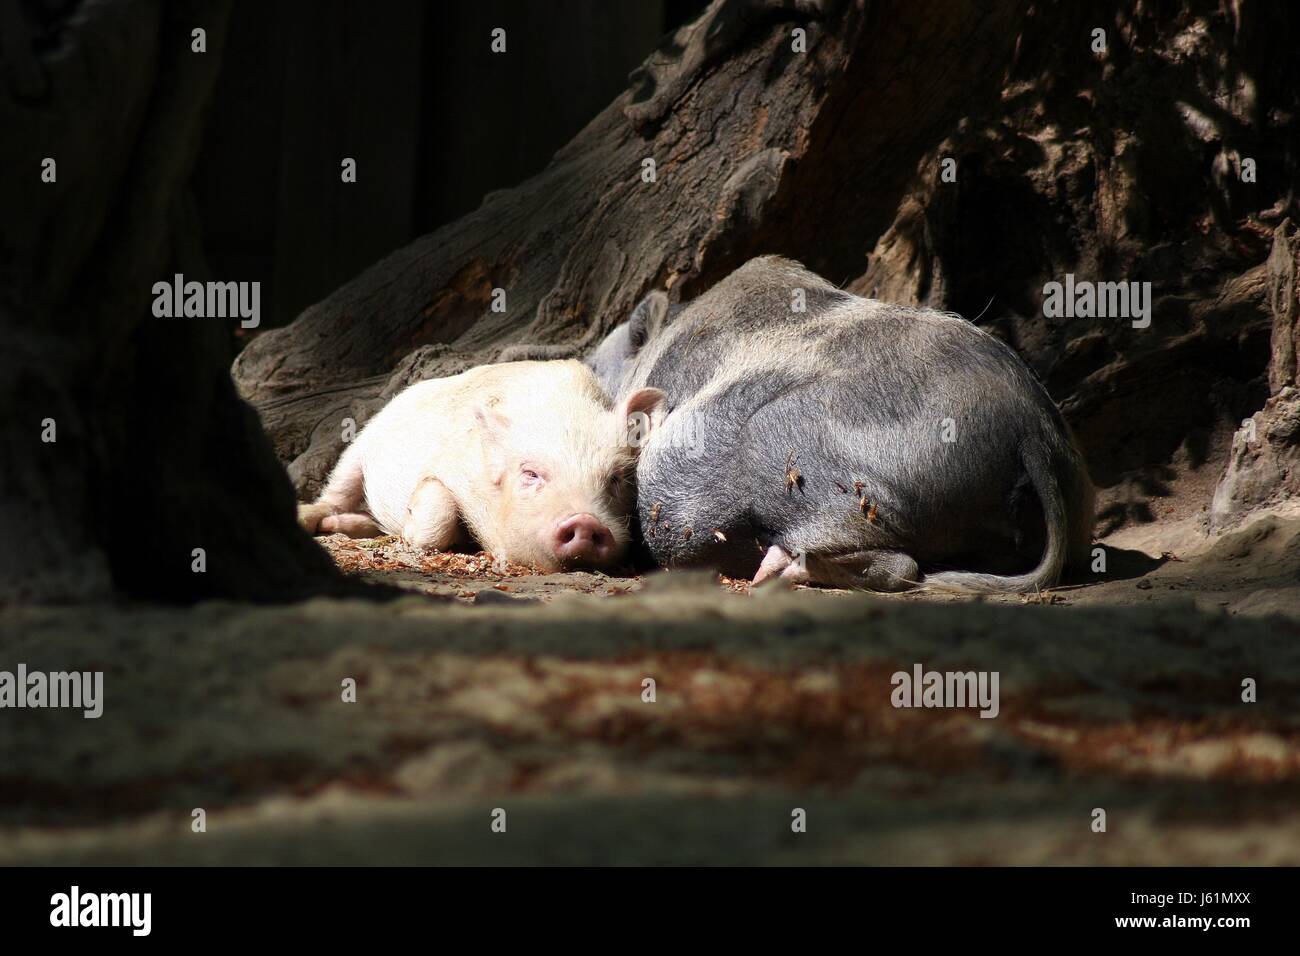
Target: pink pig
[[530, 457]]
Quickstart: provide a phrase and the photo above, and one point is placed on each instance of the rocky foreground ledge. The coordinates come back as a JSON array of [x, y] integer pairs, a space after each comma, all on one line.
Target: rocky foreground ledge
[[764, 702]]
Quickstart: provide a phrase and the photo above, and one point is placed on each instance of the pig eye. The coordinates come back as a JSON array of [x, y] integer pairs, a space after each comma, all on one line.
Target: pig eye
[[529, 477]]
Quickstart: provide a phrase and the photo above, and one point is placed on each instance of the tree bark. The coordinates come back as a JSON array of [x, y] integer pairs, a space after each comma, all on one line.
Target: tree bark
[[153, 456], [1119, 165], [1264, 462], [727, 110]]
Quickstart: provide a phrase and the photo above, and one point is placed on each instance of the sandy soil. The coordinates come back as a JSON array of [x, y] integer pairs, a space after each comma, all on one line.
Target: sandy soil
[[492, 688]]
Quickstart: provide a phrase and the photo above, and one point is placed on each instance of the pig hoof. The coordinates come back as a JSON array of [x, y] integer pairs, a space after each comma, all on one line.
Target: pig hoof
[[775, 562], [311, 516]]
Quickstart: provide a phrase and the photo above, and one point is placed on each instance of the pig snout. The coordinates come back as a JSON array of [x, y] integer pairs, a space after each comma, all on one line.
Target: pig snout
[[582, 539]]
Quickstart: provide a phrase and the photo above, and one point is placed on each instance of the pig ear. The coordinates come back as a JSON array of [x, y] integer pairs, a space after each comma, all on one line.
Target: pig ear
[[644, 400], [647, 319], [491, 423]]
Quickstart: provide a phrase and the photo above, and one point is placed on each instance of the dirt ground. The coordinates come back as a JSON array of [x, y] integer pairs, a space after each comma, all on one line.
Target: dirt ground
[[489, 690]]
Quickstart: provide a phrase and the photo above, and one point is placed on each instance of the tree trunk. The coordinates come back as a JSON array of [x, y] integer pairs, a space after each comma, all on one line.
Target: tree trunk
[[153, 456], [1122, 164], [1264, 463]]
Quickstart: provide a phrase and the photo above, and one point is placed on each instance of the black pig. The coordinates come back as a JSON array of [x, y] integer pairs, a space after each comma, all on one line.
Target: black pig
[[851, 443]]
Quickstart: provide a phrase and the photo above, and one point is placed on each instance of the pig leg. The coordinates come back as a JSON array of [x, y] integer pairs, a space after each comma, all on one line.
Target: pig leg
[[872, 570], [310, 516], [890, 571], [431, 516], [353, 525], [343, 495], [883, 571]]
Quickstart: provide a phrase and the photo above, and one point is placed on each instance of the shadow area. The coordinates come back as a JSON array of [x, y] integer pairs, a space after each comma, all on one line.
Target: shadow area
[[420, 717]]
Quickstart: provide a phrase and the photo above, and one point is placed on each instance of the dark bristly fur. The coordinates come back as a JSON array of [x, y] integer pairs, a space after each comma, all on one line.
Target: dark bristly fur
[[853, 392]]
